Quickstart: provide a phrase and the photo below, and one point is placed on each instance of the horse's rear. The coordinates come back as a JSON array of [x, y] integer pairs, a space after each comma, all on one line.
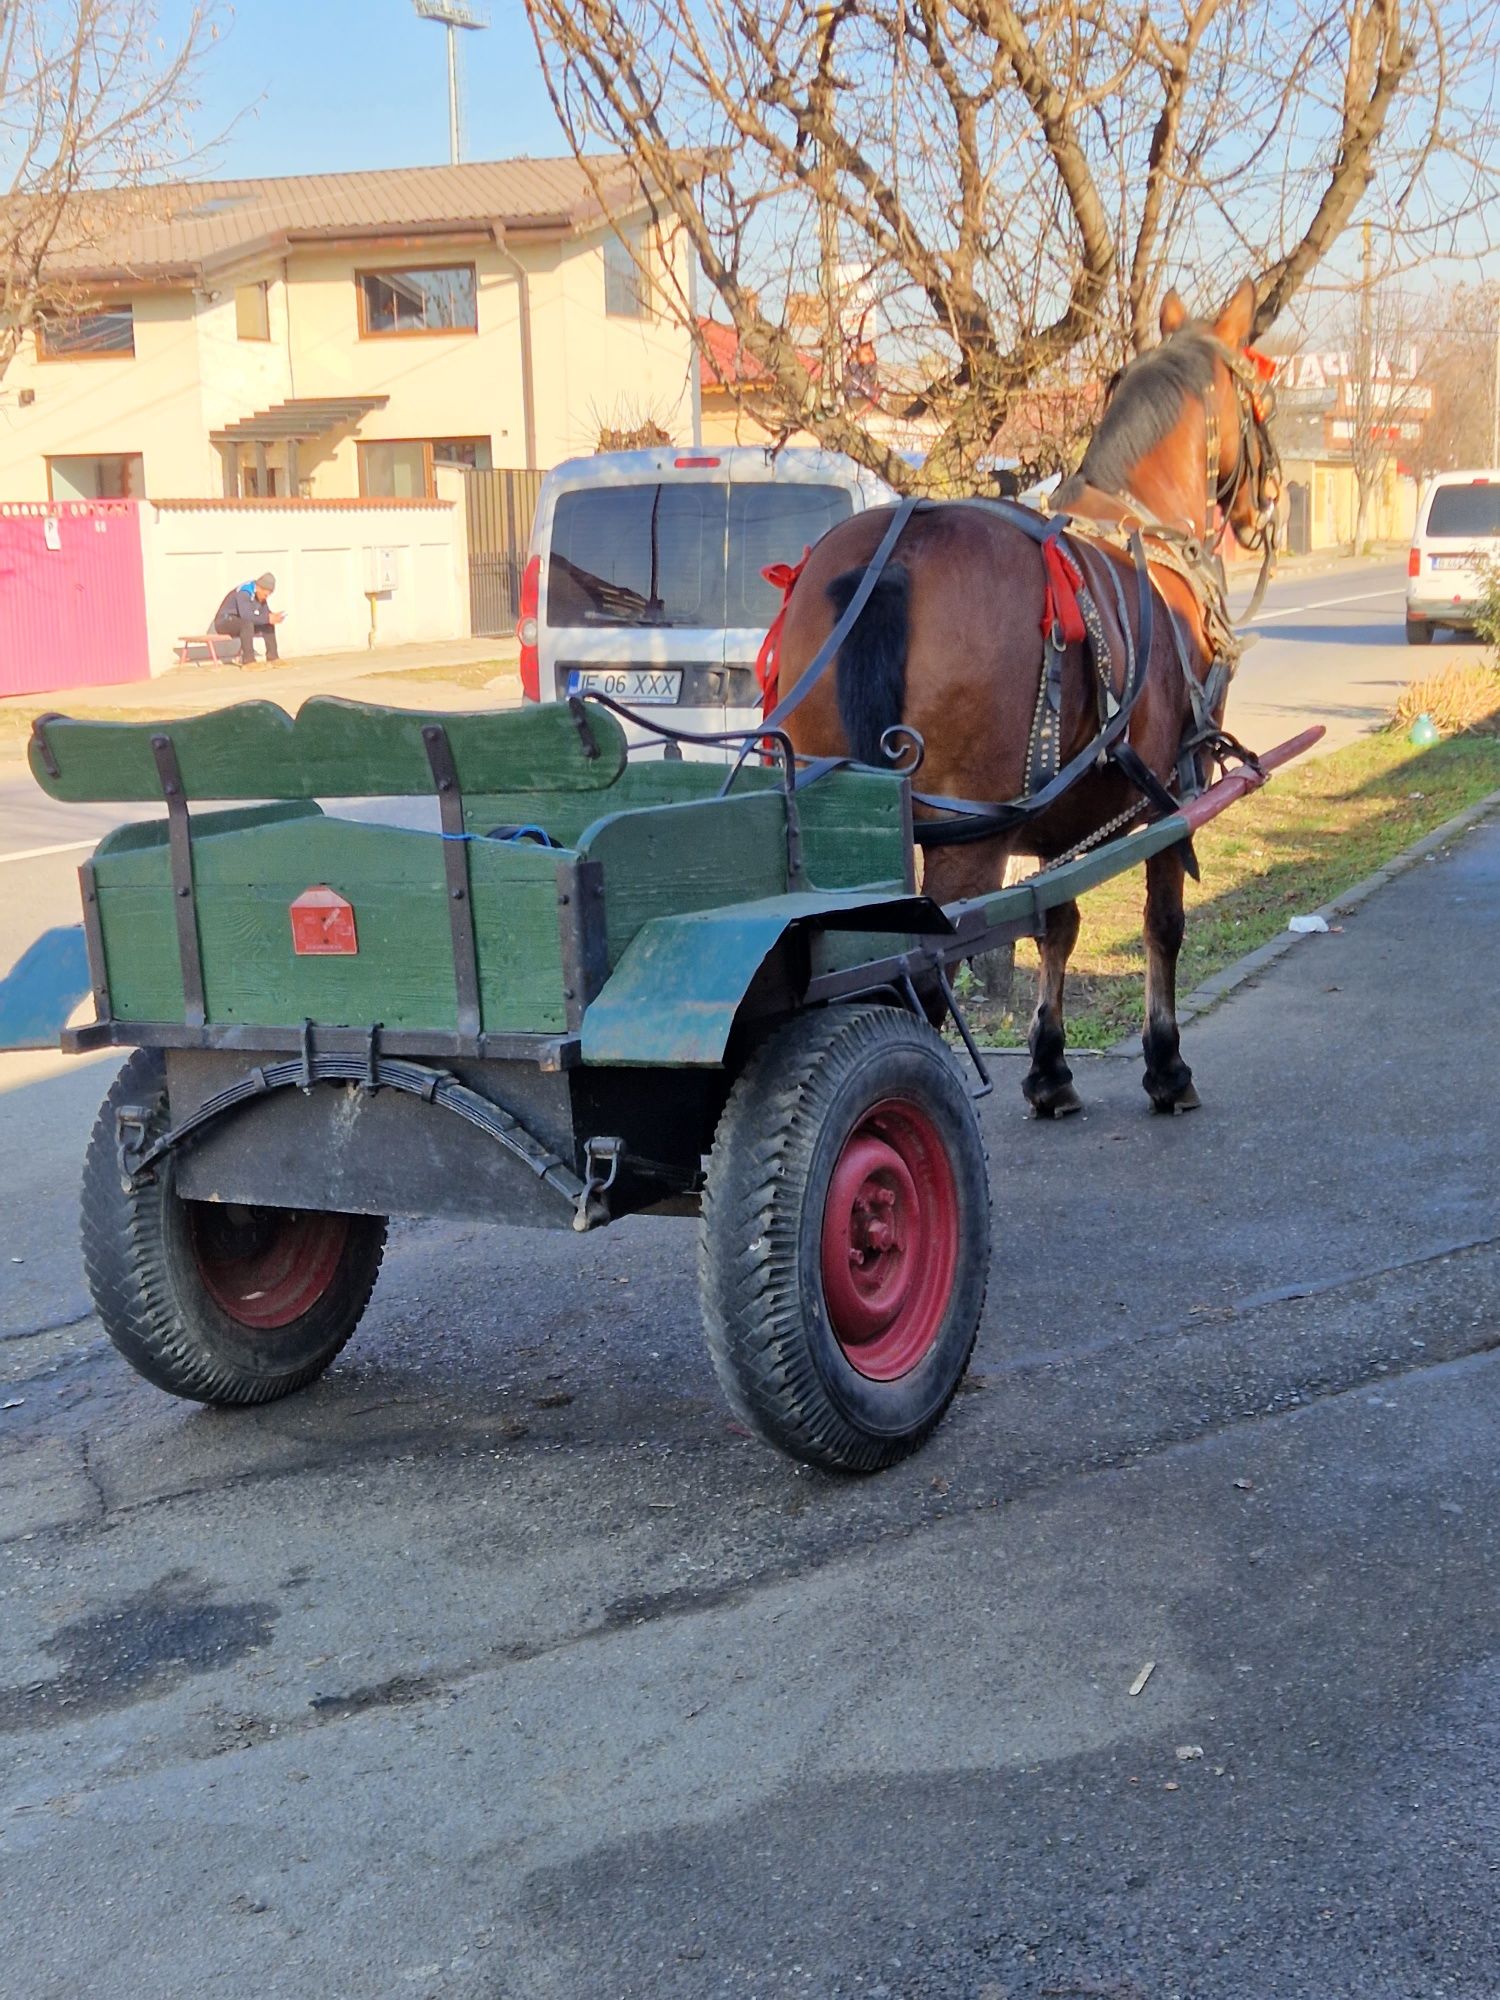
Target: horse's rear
[[950, 643]]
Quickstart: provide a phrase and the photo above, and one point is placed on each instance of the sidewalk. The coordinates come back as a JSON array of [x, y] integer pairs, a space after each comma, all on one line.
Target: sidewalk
[[445, 674]]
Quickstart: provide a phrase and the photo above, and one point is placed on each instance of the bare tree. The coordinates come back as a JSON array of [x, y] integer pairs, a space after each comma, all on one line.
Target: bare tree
[[1383, 397], [1461, 362], [93, 101], [995, 194]]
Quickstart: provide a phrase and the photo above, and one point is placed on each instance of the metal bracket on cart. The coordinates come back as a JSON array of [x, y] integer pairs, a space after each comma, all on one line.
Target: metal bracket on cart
[[601, 1164], [132, 1128]]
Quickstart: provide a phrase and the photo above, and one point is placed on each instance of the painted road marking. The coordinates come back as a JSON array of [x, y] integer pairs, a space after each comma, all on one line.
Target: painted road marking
[[1326, 603], [36, 853]]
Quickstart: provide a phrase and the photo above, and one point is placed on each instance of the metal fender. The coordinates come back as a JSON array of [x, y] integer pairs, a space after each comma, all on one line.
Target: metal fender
[[673, 997]]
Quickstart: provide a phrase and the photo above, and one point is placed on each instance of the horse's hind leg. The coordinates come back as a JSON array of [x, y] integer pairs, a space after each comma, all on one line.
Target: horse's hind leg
[[1168, 1080], [1049, 1082]]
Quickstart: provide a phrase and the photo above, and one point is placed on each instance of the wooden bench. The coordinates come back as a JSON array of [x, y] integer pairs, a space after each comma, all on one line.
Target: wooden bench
[[210, 642]]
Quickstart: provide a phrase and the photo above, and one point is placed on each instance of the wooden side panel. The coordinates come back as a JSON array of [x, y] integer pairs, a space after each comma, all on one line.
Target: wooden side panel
[[668, 860], [335, 749], [402, 974]]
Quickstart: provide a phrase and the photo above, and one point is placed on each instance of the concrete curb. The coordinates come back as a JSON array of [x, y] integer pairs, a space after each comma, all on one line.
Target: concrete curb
[[1253, 963]]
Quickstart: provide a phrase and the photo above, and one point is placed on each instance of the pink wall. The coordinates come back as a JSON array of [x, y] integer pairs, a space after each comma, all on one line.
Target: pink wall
[[72, 595]]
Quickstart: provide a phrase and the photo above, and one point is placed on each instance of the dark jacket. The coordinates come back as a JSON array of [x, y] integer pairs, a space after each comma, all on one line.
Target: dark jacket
[[241, 603]]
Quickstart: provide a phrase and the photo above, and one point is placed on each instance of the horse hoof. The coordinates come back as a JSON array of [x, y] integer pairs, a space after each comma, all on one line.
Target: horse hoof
[[1060, 1103], [1173, 1107]]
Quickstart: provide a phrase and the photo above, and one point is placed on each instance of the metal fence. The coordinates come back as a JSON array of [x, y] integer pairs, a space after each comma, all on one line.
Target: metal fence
[[499, 506]]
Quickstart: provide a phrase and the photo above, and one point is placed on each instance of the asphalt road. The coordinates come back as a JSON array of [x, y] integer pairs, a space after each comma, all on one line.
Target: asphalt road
[[501, 1666], [1330, 647]]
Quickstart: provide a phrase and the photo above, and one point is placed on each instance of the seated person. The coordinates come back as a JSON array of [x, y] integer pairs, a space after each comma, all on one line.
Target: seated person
[[245, 613]]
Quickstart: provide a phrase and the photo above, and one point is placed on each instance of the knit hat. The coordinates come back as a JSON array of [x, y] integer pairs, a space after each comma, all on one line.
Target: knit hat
[[267, 583]]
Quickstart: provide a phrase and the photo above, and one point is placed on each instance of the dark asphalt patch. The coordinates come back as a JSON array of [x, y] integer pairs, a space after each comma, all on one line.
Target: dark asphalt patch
[[140, 1647]]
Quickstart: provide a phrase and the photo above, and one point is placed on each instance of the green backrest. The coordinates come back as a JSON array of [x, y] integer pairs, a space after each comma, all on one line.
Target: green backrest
[[334, 749]]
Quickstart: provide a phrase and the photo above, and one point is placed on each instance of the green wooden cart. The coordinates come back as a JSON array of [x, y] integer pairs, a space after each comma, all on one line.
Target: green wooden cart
[[601, 986]]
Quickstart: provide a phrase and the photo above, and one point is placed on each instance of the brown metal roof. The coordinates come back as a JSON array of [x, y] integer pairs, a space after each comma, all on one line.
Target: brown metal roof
[[303, 417], [177, 231]]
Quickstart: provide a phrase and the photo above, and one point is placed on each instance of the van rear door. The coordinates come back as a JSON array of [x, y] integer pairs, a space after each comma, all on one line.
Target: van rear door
[[778, 509], [634, 592], [1459, 536]]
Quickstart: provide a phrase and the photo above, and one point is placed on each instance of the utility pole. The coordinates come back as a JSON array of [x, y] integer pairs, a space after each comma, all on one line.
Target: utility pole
[[452, 15], [828, 225]]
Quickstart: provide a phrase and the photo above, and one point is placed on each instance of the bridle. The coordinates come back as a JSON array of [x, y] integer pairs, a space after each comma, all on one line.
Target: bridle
[[1256, 465], [1256, 461]]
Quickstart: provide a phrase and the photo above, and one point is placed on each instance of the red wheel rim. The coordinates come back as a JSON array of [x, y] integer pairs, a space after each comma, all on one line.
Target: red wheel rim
[[890, 1240], [265, 1267]]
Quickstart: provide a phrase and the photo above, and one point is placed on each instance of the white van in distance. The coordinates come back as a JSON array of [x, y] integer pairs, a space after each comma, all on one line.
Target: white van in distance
[[644, 575], [1458, 530]]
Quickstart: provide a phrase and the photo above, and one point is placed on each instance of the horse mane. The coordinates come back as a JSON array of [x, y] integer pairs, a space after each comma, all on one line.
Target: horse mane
[[1146, 404]]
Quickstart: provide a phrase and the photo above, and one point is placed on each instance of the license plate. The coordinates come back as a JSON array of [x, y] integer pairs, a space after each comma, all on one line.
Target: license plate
[[1452, 562], [643, 685]]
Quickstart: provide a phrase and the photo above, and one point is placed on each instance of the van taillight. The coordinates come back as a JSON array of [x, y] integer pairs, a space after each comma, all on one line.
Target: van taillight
[[1414, 563], [526, 630], [695, 464]]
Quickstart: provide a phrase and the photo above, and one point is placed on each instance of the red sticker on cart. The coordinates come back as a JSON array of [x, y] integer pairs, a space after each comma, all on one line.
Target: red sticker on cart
[[323, 924]]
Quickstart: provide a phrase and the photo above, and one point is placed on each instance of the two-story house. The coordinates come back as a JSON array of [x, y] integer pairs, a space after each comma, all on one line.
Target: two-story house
[[337, 335]]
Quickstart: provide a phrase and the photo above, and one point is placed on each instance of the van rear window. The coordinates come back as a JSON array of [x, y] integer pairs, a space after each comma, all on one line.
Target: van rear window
[[679, 554], [1464, 513]]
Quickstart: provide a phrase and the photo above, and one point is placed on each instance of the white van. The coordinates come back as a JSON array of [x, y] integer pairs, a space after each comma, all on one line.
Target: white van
[[644, 578], [1458, 528]]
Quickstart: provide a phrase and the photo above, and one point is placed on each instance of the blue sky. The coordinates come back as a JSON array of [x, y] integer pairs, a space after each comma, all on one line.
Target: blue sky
[[309, 86]]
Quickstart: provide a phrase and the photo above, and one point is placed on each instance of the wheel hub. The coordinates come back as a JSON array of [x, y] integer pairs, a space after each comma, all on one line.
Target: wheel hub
[[890, 1241], [265, 1267]]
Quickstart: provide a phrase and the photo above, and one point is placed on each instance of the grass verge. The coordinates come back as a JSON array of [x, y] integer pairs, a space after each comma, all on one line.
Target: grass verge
[[1317, 829]]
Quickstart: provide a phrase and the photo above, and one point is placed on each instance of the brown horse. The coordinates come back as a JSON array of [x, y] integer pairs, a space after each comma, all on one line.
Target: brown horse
[[951, 644]]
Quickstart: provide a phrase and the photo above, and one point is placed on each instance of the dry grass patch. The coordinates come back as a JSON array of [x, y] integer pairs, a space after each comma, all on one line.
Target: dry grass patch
[[1458, 699]]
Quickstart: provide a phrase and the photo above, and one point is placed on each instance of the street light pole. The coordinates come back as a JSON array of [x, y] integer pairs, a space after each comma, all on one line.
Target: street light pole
[[452, 15]]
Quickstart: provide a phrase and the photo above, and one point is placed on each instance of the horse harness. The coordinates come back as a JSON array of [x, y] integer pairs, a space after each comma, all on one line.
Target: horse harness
[[1071, 617]]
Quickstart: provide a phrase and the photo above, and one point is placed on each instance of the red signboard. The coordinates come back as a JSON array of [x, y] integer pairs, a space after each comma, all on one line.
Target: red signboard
[[323, 924]]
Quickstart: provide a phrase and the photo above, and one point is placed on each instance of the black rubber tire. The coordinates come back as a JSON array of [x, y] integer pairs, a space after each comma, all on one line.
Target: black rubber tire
[[1418, 632], [782, 1132], [143, 1273]]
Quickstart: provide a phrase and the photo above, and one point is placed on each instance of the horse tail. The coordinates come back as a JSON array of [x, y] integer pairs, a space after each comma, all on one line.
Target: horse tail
[[871, 671]]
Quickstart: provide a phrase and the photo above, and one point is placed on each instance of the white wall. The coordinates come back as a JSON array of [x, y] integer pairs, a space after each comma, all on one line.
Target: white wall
[[237, 377], [322, 555]]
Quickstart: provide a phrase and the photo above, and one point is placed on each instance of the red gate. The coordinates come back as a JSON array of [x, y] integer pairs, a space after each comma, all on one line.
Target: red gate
[[72, 595]]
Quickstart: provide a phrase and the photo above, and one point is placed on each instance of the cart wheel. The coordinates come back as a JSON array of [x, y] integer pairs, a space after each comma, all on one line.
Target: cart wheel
[[212, 1300], [845, 1238]]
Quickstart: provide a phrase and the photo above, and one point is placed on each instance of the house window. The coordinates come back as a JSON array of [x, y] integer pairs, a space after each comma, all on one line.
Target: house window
[[252, 311], [110, 476], [442, 299], [472, 452], [100, 330], [401, 468], [627, 289]]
